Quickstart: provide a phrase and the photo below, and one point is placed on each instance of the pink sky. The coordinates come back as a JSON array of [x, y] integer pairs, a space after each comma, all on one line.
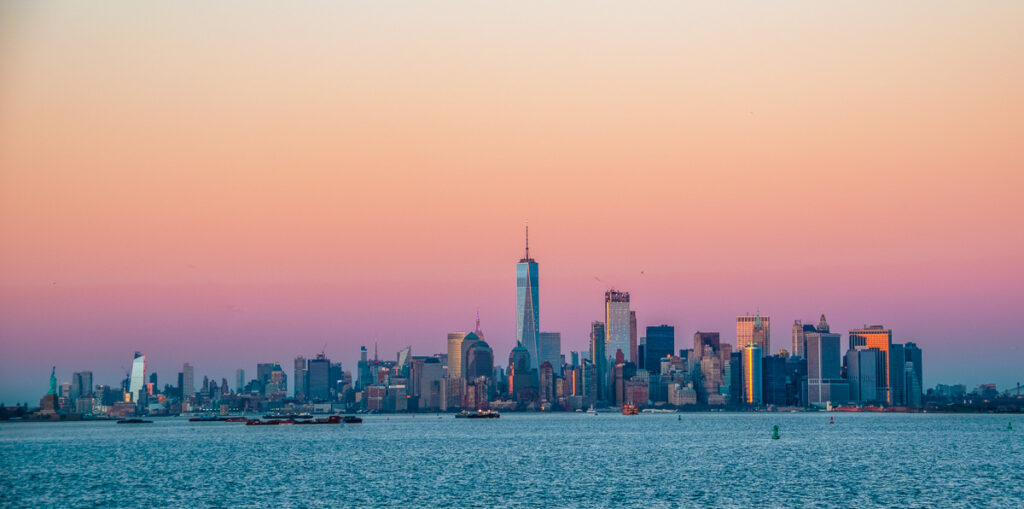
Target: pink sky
[[226, 185]]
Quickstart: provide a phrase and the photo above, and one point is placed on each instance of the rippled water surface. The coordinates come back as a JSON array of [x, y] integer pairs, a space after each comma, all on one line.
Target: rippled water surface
[[524, 460]]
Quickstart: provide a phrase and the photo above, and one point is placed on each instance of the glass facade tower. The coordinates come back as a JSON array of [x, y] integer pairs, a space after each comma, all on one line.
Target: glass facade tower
[[527, 303]]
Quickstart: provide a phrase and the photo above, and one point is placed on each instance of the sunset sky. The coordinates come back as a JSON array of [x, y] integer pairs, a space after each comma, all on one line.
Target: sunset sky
[[242, 182]]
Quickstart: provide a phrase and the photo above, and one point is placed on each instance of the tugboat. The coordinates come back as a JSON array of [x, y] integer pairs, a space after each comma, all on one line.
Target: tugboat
[[479, 414], [628, 409], [134, 421], [351, 419]]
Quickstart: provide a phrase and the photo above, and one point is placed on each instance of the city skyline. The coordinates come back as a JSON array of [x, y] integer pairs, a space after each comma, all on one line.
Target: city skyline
[[363, 175]]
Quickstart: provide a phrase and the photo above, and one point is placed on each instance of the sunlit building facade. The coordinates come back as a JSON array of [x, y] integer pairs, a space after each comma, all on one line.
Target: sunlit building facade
[[876, 336], [753, 330], [138, 376], [617, 323], [751, 355]]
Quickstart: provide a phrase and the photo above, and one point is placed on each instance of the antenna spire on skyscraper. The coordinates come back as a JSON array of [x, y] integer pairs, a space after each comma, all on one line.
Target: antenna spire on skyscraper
[[527, 241], [477, 330]]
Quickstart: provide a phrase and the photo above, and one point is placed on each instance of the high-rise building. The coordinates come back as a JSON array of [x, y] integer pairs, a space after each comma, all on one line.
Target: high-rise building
[[702, 339], [455, 360], [865, 370], [479, 358], [521, 385], [897, 361], [617, 323], [188, 384], [751, 366], [138, 377], [632, 337], [875, 336], [598, 358], [527, 304], [800, 331], [914, 380], [239, 380], [824, 382], [551, 351], [318, 375], [364, 377], [773, 376], [426, 379], [753, 330], [300, 381], [81, 384], [659, 343]]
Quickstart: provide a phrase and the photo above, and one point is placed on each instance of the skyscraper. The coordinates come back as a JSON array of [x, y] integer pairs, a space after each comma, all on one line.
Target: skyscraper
[[800, 331], [824, 383], [914, 382], [138, 377], [632, 337], [527, 304], [551, 351], [455, 361], [754, 330], [660, 343], [875, 336], [81, 384], [865, 369], [598, 358], [318, 375], [702, 339], [300, 381], [188, 383], [617, 323], [751, 355], [239, 380]]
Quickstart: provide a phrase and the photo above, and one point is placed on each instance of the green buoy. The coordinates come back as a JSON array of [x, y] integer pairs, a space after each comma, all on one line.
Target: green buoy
[[775, 432], [1009, 426]]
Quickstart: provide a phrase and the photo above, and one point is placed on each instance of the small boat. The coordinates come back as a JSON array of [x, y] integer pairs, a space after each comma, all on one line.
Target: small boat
[[628, 409], [591, 410], [479, 414], [134, 421]]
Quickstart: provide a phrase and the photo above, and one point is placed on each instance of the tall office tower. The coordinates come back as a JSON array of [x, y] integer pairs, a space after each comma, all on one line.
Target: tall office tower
[[551, 350], [527, 304], [520, 374], [364, 378], [479, 359], [875, 336], [753, 330], [318, 375], [773, 376], [616, 319], [455, 361], [597, 357], [590, 383], [188, 384], [336, 376], [81, 384], [865, 369], [751, 355], [632, 337], [914, 382], [300, 379], [659, 343], [263, 372], [547, 382], [239, 380], [897, 396], [800, 331], [702, 339], [824, 382], [403, 359], [138, 379]]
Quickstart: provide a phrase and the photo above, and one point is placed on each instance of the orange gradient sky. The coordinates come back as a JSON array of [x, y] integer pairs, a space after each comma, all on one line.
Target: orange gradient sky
[[245, 182]]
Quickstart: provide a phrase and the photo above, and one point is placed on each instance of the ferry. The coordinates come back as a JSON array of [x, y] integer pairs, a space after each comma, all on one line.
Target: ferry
[[628, 409], [479, 414]]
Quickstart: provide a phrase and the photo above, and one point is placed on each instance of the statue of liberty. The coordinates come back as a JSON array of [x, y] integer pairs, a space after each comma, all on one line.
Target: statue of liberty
[[53, 381]]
